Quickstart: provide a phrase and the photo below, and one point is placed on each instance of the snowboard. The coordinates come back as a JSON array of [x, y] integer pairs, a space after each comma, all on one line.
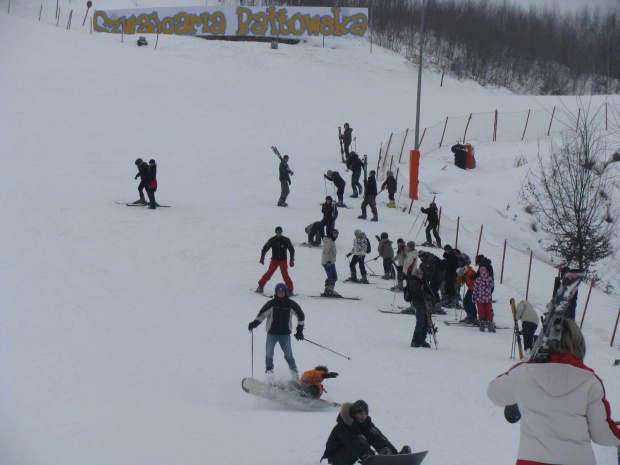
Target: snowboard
[[401, 459], [284, 394]]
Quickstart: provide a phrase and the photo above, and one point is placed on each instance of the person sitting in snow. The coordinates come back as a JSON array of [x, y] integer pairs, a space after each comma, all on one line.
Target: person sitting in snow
[[311, 382], [355, 435]]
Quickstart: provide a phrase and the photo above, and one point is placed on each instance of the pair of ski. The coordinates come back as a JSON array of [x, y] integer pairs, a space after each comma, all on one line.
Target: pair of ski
[[139, 204], [322, 296]]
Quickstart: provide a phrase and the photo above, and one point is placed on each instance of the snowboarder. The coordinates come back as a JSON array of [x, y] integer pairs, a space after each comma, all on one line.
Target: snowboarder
[[355, 435], [370, 196], [279, 313], [150, 184], [359, 251], [562, 402], [328, 260], [386, 252], [417, 296], [143, 167], [330, 213], [466, 275], [526, 313], [311, 381], [346, 138], [315, 233], [278, 244], [285, 174], [340, 184], [390, 183], [401, 256], [433, 223], [484, 301], [356, 165]]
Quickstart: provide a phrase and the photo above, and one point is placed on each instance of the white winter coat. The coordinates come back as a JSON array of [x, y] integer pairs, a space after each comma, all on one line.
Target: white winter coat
[[563, 408], [360, 245], [329, 251], [410, 259], [525, 312]]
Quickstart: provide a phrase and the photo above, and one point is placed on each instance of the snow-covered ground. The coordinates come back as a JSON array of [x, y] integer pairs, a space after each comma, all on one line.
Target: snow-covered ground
[[123, 331]]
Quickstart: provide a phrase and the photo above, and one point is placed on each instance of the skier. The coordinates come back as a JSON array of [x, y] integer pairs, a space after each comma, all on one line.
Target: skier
[[480, 261], [526, 313], [433, 276], [356, 165], [279, 315], [359, 251], [390, 183], [572, 306], [355, 435], [278, 244], [417, 296], [150, 184], [562, 403], [285, 181], [311, 382], [370, 197], [315, 233], [401, 256], [346, 139], [411, 257], [340, 184], [451, 263], [460, 155], [328, 260], [386, 252], [433, 224], [330, 213], [482, 297], [466, 275], [142, 169]]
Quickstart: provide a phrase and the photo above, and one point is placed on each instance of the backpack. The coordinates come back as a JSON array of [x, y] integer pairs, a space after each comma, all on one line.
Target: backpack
[[463, 258], [406, 292], [440, 263], [368, 248]]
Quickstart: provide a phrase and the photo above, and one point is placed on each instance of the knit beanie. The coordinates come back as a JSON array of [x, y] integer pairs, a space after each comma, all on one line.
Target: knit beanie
[[358, 407]]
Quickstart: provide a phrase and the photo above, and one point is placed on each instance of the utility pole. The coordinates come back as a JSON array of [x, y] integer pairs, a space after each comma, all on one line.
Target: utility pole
[[417, 114]]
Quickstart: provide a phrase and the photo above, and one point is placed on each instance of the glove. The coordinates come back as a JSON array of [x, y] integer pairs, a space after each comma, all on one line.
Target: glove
[[137, 175], [291, 263], [253, 325], [331, 374], [291, 173], [262, 260], [422, 209], [299, 335], [349, 254]]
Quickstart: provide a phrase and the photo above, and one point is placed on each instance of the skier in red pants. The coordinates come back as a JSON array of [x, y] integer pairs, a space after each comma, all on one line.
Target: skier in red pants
[[278, 244]]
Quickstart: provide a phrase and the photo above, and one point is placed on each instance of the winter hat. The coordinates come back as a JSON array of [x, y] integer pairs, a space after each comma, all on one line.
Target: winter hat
[[390, 173], [329, 197], [330, 173], [433, 204], [461, 271], [285, 157], [278, 228], [421, 253], [357, 407], [479, 258], [357, 232], [418, 271], [384, 235], [400, 241], [151, 162], [322, 368], [139, 161], [411, 245], [447, 247], [371, 173]]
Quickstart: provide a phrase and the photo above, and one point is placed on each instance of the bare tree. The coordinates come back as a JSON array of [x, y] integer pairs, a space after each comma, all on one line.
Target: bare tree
[[570, 194]]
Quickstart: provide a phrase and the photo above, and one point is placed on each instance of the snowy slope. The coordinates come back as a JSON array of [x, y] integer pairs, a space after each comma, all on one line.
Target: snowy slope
[[123, 333]]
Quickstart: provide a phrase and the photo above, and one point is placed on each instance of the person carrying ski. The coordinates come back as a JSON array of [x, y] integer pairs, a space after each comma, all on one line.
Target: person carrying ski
[[433, 223], [315, 233], [328, 260], [143, 167], [401, 256], [330, 213], [311, 382], [417, 297], [356, 165], [529, 318], [562, 405], [346, 138], [483, 299], [451, 263], [386, 252], [279, 313], [354, 437], [150, 184], [279, 245], [340, 184], [466, 275], [370, 197], [390, 184], [285, 174], [359, 251]]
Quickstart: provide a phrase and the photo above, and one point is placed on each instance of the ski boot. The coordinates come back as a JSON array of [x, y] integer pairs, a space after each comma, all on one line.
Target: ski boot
[[294, 374], [391, 204], [482, 326], [332, 292], [260, 290], [491, 327], [362, 216], [141, 200], [398, 287], [375, 217], [282, 203], [405, 450], [354, 195], [364, 279], [269, 376], [386, 277], [341, 204], [427, 244], [386, 451]]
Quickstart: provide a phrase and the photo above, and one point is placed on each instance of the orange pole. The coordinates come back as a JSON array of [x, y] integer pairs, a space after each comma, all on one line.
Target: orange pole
[[613, 336]]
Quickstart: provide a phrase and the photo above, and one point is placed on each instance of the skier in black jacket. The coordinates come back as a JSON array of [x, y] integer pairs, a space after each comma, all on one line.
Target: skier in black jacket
[[279, 313], [285, 174], [433, 224], [150, 184], [142, 169], [340, 184], [278, 244], [417, 296], [451, 263], [370, 197], [355, 435], [346, 138], [356, 165]]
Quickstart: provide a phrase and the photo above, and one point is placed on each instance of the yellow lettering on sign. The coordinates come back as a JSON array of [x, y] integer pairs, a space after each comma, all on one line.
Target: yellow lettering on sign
[[312, 24], [327, 25], [358, 28], [244, 18], [181, 23], [261, 22], [219, 23]]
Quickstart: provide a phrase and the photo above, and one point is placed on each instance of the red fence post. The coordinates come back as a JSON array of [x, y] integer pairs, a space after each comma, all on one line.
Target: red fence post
[[410, 205], [479, 239], [9, 12], [466, 126], [398, 171], [550, 122], [495, 128], [605, 116], [526, 121], [444, 131], [387, 149], [501, 275], [529, 273], [586, 307], [391, 162], [439, 222], [456, 241], [403, 147], [559, 270], [613, 336]]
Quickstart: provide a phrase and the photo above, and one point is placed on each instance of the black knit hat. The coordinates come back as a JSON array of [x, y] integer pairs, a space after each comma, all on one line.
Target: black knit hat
[[479, 258], [278, 228], [358, 407]]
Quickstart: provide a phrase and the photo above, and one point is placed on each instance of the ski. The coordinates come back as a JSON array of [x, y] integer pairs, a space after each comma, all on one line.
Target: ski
[[355, 282], [402, 312], [276, 151], [341, 146], [308, 244], [335, 297], [260, 293], [287, 394], [517, 332], [393, 289], [458, 323], [143, 205]]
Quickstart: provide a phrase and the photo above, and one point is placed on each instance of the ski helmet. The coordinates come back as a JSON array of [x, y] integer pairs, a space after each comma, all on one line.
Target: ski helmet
[[138, 161], [330, 173], [335, 234], [390, 173], [280, 287]]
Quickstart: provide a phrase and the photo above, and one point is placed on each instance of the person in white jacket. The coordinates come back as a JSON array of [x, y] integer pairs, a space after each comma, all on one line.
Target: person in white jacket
[[361, 247], [328, 260], [562, 404]]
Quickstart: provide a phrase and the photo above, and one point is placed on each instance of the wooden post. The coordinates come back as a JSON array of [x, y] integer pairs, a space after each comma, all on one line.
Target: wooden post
[[529, 273], [398, 171], [387, 150], [466, 127], [501, 275], [439, 222], [613, 336], [495, 128], [69, 22], [391, 162], [410, 205], [586, 306], [403, 147], [550, 122], [559, 270], [444, 131], [605, 116], [526, 121], [456, 240], [91, 25], [9, 11], [479, 239]]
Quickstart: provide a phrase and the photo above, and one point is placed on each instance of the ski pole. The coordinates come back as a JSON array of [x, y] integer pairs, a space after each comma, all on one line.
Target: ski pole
[[325, 186], [308, 340], [252, 353], [414, 223]]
